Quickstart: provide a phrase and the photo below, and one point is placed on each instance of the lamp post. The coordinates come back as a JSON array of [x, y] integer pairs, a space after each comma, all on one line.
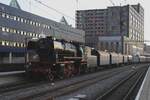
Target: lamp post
[[121, 33], [26, 43]]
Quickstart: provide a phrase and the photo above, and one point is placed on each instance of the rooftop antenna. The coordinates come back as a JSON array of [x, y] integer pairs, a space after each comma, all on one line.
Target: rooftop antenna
[[112, 2], [30, 5], [125, 1], [77, 4]]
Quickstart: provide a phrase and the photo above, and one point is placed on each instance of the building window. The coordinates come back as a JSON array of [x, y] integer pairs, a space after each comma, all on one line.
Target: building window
[[3, 29], [10, 43], [15, 18], [7, 16], [24, 45], [30, 22], [21, 44], [14, 44], [36, 35], [7, 29], [36, 24], [31, 34], [0, 42], [11, 17], [7, 43], [39, 24], [0, 13], [3, 15], [33, 23], [3, 43], [25, 21], [48, 27], [22, 32], [15, 31], [25, 33], [18, 18], [18, 44], [11, 31], [18, 31], [22, 20]]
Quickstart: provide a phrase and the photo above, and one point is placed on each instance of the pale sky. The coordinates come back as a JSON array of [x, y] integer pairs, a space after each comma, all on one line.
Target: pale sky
[[68, 7]]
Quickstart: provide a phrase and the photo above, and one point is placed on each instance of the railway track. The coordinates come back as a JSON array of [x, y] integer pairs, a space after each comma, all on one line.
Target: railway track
[[27, 82], [27, 93], [71, 87], [124, 89], [56, 90], [19, 85]]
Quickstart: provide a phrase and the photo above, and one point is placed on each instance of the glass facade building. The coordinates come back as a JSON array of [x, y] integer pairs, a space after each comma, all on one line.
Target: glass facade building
[[17, 26]]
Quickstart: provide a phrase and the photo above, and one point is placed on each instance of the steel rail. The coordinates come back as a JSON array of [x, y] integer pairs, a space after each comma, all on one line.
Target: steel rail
[[27, 83], [59, 91], [128, 95], [118, 85]]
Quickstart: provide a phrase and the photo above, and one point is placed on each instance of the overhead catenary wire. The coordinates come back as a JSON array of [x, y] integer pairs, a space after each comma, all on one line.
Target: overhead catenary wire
[[42, 9], [125, 1], [112, 2], [38, 1]]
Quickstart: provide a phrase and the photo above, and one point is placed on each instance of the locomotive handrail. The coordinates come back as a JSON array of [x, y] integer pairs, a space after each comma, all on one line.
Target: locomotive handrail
[[72, 57]]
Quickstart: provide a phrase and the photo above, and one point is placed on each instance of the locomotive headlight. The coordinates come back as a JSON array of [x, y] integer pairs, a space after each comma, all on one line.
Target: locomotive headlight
[[35, 58]]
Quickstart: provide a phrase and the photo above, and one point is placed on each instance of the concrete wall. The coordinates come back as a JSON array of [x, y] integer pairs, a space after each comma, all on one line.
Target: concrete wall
[[12, 58]]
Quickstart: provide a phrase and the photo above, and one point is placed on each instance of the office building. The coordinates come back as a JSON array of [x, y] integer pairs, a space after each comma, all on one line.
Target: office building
[[120, 27]]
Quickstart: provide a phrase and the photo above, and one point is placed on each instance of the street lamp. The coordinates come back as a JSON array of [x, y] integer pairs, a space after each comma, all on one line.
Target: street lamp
[[26, 43]]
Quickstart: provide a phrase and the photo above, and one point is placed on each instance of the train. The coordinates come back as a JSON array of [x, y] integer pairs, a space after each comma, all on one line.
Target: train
[[52, 58]]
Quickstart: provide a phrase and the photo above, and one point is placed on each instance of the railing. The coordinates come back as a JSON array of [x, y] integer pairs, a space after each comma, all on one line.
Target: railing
[[12, 67]]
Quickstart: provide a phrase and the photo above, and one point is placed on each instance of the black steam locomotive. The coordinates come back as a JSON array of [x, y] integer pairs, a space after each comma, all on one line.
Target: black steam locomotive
[[52, 58]]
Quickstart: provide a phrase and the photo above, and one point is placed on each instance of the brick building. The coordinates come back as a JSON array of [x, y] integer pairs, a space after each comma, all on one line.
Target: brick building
[[125, 22]]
